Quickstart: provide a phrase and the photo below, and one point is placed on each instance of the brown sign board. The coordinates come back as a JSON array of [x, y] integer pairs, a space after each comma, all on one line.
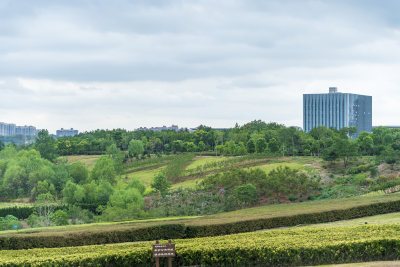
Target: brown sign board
[[164, 250]]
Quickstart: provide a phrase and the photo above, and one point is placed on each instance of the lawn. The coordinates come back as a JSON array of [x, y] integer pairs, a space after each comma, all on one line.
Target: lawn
[[145, 176], [202, 160], [377, 219], [88, 160], [187, 184], [269, 167]]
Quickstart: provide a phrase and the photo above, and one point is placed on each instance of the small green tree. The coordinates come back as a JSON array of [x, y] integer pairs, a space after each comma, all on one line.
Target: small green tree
[[261, 145], [124, 205], [45, 206], [78, 172], [135, 148], [161, 184], [251, 146], [59, 217], [245, 194], [104, 169], [46, 145]]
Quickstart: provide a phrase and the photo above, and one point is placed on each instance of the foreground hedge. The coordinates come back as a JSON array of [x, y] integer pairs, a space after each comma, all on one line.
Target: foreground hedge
[[168, 231], [293, 220], [92, 238], [306, 246]]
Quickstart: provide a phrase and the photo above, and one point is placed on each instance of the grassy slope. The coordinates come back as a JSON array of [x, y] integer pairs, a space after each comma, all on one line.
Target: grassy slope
[[88, 160], [239, 215], [202, 160], [145, 176], [377, 219]]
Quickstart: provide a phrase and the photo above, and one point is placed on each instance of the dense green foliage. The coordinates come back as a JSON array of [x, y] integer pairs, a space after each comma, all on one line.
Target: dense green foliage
[[191, 229], [153, 232], [19, 212], [253, 137], [272, 248]]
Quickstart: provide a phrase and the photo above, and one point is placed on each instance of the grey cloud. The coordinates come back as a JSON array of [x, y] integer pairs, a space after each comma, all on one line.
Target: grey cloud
[[97, 64]]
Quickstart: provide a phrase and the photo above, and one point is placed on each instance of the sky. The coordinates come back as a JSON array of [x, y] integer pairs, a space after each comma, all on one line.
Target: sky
[[127, 64]]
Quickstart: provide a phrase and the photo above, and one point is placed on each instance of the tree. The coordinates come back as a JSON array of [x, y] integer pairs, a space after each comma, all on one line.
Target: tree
[[135, 148], [104, 169], [201, 146], [366, 143], [124, 205], [46, 145], [261, 145], [161, 184], [251, 147], [45, 206], [117, 156], [59, 217], [391, 156], [245, 194], [78, 172], [1, 145], [273, 145], [345, 148]]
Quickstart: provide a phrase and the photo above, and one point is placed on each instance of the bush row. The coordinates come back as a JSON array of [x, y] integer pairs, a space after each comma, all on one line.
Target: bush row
[[168, 231], [312, 246], [293, 220], [26, 241], [20, 212]]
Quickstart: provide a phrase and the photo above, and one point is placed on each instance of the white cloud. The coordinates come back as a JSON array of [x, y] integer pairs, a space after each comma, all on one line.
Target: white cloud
[[144, 63]]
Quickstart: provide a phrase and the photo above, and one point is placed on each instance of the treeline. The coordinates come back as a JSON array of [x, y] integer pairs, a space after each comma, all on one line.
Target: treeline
[[253, 137]]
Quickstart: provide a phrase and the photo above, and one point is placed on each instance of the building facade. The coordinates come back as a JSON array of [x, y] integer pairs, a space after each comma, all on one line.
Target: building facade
[[159, 129], [10, 129], [337, 110], [66, 132]]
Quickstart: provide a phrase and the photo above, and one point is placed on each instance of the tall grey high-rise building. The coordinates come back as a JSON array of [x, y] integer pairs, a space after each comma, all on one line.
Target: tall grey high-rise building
[[337, 110]]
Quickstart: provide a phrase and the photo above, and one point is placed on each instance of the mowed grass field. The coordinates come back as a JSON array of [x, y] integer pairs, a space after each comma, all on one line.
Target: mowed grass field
[[145, 176], [377, 219], [88, 160], [203, 160]]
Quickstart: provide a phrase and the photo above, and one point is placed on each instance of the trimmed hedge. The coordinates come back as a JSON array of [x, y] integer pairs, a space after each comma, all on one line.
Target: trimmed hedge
[[20, 212], [172, 231], [164, 231], [284, 221], [291, 247]]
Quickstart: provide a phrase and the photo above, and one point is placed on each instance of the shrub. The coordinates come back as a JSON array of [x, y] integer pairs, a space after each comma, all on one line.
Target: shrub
[[59, 217], [245, 194]]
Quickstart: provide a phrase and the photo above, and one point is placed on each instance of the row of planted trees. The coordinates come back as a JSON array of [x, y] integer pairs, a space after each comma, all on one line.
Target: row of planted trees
[[253, 137]]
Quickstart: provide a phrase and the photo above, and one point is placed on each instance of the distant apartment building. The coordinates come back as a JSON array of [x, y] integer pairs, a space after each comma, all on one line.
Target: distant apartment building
[[159, 129], [66, 132], [10, 129], [337, 110]]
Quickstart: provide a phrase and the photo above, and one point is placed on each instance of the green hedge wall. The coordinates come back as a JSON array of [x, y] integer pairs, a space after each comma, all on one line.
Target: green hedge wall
[[311, 218], [165, 231], [19, 212], [173, 231]]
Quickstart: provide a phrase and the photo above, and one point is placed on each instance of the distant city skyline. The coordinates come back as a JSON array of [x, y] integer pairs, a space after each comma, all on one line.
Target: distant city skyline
[[131, 64]]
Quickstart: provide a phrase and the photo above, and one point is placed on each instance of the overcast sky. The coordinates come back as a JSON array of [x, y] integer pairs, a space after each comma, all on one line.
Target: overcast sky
[[126, 64]]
